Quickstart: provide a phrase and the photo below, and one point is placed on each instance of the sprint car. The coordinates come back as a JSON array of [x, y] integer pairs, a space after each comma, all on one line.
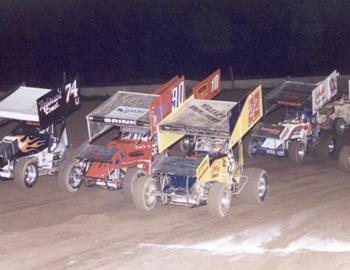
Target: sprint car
[[299, 133], [38, 142], [335, 115], [133, 117], [209, 171]]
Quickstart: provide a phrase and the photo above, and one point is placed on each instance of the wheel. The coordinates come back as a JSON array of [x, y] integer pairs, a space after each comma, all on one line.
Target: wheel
[[143, 198], [187, 144], [70, 175], [344, 158], [297, 151], [219, 200], [26, 172], [327, 145], [182, 147], [129, 180], [250, 146], [339, 126], [256, 189]]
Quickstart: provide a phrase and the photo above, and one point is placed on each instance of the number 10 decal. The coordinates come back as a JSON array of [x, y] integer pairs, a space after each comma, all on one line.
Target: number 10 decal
[[178, 94]]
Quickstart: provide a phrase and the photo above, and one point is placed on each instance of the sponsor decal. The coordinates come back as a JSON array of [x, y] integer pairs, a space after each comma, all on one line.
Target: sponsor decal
[[213, 111], [50, 104], [198, 110], [120, 121], [254, 107], [130, 113]]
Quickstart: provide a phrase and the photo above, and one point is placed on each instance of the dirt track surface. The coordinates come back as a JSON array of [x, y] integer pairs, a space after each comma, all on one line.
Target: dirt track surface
[[302, 225]]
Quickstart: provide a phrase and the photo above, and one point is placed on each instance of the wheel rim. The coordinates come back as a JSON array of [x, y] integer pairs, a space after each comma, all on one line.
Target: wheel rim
[[225, 200], [30, 174], [341, 127], [186, 144], [150, 199], [301, 151], [253, 149], [331, 147], [262, 187], [75, 177]]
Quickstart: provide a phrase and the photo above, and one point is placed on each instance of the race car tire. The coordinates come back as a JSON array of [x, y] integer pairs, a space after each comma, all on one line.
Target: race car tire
[[297, 151], [327, 146], [182, 147], [219, 200], [129, 180], [256, 189], [143, 199], [250, 144], [187, 144], [339, 126], [26, 172], [69, 175], [344, 158]]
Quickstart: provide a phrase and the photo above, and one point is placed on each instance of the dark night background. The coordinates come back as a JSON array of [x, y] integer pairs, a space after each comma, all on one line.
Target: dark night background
[[128, 41]]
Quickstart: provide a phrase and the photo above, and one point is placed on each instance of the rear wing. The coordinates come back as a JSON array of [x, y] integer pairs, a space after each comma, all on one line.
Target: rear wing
[[324, 92], [55, 105], [245, 115], [300, 94], [171, 95], [209, 88]]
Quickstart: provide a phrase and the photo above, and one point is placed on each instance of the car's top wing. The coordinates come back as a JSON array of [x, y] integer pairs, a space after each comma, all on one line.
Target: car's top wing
[[292, 94], [22, 104], [121, 109], [300, 94], [195, 117]]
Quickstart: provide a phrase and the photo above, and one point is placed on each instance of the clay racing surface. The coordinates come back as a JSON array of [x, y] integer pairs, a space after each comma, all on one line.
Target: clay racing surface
[[304, 224]]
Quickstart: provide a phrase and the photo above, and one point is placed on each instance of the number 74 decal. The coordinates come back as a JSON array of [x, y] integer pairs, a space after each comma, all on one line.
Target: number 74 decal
[[71, 89]]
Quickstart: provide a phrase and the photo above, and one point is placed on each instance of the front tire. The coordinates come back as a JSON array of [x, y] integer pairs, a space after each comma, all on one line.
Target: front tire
[[344, 158], [70, 175], [219, 200], [143, 198], [26, 172], [297, 151], [256, 189]]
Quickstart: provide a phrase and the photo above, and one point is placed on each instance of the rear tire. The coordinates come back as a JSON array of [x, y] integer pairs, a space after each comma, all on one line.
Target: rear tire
[[339, 126], [256, 189], [129, 180], [26, 172], [344, 158], [143, 199], [297, 151], [70, 176], [219, 200]]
